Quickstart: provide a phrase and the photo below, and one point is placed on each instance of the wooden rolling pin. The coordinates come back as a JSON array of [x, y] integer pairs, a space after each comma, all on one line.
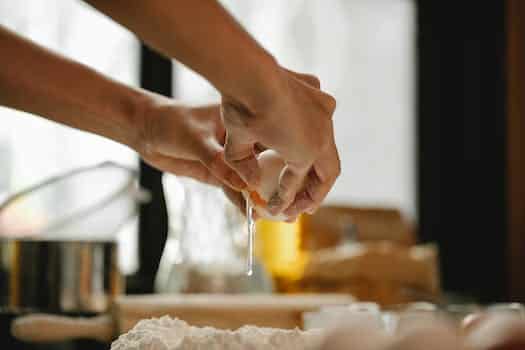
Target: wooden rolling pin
[[219, 311]]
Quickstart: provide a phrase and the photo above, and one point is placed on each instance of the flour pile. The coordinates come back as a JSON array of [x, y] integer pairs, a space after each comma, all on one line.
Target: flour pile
[[173, 334]]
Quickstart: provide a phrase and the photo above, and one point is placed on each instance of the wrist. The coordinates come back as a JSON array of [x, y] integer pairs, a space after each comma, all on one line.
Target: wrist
[[142, 104], [159, 123]]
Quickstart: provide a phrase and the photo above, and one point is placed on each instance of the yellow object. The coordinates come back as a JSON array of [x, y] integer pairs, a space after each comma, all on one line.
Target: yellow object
[[278, 246]]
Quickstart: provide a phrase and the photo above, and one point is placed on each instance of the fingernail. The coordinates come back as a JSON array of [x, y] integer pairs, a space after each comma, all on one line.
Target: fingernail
[[310, 211], [291, 211], [291, 214], [291, 220], [238, 183], [294, 209], [274, 203]]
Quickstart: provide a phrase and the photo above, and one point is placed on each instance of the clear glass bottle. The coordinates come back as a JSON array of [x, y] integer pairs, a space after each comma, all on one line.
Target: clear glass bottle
[[206, 250]]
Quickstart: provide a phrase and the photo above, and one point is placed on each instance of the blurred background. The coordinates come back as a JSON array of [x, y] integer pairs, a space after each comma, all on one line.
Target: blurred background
[[428, 125]]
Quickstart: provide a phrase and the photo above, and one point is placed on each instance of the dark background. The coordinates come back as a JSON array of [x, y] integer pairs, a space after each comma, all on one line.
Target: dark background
[[461, 137]]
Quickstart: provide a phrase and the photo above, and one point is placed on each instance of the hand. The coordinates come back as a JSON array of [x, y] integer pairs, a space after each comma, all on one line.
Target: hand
[[238, 200], [295, 120], [186, 141], [262, 102]]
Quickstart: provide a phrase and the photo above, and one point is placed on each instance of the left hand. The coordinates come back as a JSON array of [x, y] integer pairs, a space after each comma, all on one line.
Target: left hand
[[186, 141], [238, 200]]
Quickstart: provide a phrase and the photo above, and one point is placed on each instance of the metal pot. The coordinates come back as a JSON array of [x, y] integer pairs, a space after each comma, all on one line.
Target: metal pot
[[58, 276], [58, 254]]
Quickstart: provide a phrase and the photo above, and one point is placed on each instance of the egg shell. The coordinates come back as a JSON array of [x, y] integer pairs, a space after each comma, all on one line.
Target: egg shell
[[271, 165]]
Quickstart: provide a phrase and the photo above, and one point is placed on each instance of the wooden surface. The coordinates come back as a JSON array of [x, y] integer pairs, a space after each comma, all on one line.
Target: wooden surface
[[516, 147], [223, 311], [219, 311], [46, 328]]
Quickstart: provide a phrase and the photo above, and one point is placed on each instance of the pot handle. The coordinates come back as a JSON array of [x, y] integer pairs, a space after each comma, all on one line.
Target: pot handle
[[44, 328]]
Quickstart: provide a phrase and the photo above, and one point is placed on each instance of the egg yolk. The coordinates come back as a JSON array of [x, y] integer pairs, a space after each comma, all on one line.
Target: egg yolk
[[257, 199]]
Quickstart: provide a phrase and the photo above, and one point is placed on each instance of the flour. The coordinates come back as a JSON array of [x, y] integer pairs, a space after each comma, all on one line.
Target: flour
[[166, 333]]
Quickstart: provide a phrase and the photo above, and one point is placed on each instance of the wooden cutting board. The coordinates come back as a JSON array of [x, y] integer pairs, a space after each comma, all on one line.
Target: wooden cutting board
[[219, 311]]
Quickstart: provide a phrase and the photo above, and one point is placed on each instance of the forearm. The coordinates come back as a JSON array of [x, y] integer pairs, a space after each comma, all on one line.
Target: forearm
[[37, 81], [203, 36]]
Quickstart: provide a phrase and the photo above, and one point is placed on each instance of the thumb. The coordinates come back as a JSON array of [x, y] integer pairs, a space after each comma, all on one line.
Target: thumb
[[212, 157], [241, 157]]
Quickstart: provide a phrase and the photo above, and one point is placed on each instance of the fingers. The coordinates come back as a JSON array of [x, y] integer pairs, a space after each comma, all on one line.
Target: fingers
[[211, 155], [290, 182], [216, 172], [259, 148], [187, 168], [318, 183], [236, 198], [301, 139], [242, 158], [218, 168], [210, 150], [239, 148], [326, 172], [212, 113], [302, 203], [304, 189]]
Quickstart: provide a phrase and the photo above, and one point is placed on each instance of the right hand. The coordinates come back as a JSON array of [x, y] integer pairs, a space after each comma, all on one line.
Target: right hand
[[294, 119]]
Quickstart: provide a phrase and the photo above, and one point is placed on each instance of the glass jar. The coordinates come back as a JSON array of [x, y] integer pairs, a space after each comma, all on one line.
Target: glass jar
[[206, 249]]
